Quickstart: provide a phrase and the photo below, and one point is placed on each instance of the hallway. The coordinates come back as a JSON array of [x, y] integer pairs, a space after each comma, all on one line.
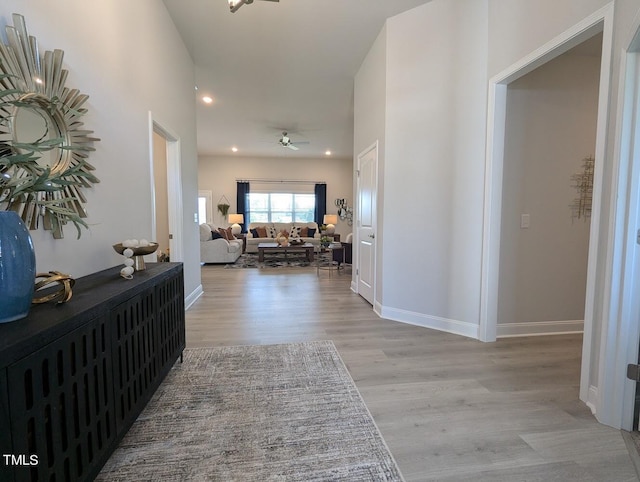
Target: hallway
[[450, 408]]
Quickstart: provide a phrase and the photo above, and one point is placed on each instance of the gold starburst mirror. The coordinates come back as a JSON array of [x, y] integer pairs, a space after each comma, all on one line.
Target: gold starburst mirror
[[43, 144]]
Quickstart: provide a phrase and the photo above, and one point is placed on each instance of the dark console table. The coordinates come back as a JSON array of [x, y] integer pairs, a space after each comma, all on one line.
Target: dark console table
[[74, 377]]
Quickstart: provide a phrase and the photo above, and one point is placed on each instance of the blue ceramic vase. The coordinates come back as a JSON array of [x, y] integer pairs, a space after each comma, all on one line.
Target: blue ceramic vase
[[17, 267]]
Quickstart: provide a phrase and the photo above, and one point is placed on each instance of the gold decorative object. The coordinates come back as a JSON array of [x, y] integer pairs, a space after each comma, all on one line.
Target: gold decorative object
[[583, 183], [282, 239], [43, 144], [138, 253], [62, 294]]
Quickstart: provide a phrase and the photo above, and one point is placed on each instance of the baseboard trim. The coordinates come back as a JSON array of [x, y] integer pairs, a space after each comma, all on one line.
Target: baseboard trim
[[592, 398], [191, 298], [540, 328], [463, 328], [377, 309]]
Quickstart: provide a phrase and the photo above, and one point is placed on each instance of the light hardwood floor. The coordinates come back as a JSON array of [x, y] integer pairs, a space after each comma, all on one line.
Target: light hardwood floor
[[449, 408]]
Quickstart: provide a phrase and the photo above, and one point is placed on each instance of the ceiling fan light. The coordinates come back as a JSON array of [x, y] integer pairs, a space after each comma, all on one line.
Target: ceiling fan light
[[234, 5]]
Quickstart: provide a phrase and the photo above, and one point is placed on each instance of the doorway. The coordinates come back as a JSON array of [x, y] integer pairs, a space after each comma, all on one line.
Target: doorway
[[161, 202], [166, 189], [548, 167], [600, 21]]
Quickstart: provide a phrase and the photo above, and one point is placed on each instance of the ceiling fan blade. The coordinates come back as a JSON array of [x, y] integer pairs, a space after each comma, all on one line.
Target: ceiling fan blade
[[292, 147], [297, 143]]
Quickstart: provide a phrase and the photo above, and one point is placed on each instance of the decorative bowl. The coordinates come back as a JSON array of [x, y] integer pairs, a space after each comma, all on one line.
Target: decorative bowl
[[138, 253]]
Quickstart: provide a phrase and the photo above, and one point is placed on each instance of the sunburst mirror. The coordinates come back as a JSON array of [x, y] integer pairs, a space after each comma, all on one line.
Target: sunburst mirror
[[43, 145]]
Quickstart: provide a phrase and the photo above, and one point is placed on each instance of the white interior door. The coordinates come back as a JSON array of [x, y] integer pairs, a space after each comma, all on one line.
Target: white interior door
[[366, 222]]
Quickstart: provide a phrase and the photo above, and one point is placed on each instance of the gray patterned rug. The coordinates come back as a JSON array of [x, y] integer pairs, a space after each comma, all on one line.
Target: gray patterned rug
[[255, 413]]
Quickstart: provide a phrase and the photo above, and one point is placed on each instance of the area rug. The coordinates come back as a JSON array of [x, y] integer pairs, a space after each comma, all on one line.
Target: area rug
[[255, 413], [278, 260]]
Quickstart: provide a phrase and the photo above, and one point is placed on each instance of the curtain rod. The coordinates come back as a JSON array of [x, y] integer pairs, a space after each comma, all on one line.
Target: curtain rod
[[276, 181]]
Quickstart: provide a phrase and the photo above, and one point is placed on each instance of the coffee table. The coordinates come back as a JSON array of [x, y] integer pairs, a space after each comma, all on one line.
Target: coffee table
[[307, 248]]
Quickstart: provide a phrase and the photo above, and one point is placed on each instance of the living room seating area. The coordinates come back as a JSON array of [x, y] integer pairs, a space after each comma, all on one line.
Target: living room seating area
[[217, 245], [266, 232]]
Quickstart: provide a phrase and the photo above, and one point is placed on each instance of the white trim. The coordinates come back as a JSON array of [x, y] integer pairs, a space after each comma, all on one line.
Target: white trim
[[621, 306], [463, 328], [592, 396], [601, 20], [540, 328], [191, 298], [377, 309]]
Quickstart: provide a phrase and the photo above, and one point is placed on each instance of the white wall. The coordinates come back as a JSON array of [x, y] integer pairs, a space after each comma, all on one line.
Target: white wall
[[551, 128], [128, 57], [418, 126], [219, 175], [518, 27], [434, 157]]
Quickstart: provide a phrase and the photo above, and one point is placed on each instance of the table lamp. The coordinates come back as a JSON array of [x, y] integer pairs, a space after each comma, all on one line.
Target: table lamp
[[236, 220], [330, 220]]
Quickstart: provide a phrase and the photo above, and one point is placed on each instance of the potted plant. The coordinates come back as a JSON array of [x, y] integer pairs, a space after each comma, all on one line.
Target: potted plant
[[223, 208]]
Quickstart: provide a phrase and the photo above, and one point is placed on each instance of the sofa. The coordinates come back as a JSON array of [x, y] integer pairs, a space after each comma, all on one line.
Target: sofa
[[253, 241], [217, 250]]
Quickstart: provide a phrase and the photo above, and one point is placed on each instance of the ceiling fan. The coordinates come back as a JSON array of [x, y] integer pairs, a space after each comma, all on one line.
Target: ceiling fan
[[234, 5], [285, 141]]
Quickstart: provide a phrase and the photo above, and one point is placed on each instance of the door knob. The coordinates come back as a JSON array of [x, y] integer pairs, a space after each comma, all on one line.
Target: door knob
[[372, 236]]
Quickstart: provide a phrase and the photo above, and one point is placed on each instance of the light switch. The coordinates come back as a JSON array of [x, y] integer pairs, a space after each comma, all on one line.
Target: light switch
[[525, 220]]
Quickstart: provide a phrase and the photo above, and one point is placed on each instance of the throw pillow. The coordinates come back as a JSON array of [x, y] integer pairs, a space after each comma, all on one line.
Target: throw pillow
[[262, 232], [311, 232], [295, 232], [215, 235], [304, 232], [254, 233], [226, 233], [271, 232]]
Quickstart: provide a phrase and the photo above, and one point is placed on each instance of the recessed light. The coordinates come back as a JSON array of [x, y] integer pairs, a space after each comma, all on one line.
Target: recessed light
[[207, 100], [234, 149], [327, 153]]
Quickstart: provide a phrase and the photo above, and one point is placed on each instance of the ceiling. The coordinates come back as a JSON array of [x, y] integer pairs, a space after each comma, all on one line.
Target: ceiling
[[272, 67]]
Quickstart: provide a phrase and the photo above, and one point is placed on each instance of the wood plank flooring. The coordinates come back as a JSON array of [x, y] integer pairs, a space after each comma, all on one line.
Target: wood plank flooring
[[449, 408]]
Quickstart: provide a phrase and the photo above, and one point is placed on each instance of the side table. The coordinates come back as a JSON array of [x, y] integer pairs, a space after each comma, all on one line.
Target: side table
[[243, 237], [333, 265]]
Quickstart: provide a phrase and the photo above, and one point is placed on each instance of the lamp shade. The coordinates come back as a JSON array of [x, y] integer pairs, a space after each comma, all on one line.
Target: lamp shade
[[236, 219], [330, 219]]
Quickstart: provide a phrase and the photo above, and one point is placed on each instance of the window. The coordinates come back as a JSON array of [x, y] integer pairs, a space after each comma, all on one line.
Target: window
[[205, 211], [278, 207]]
